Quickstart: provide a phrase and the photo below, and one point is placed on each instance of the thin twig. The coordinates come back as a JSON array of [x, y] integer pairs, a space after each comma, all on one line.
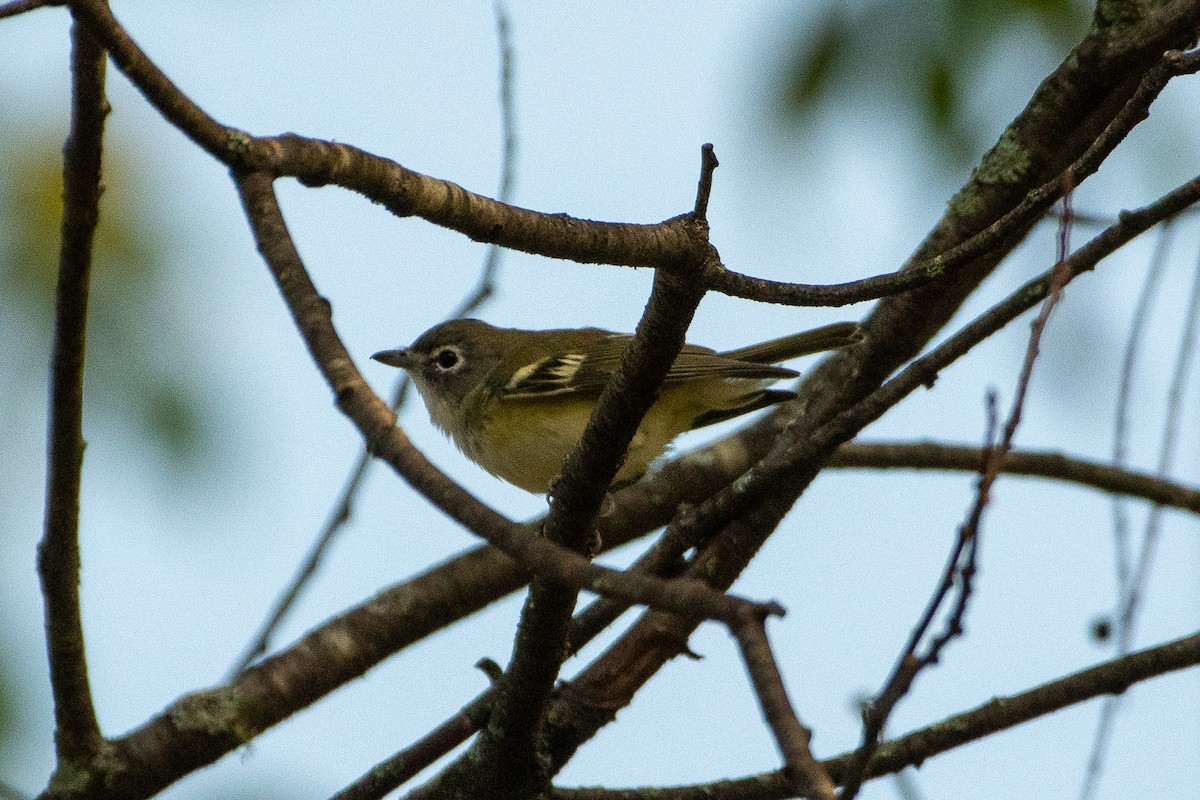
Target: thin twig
[[704, 190], [77, 733], [393, 772], [1129, 600], [958, 571], [1133, 345], [334, 523], [961, 567]]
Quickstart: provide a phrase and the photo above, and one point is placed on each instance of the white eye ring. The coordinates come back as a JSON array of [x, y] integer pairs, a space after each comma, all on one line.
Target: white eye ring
[[447, 359]]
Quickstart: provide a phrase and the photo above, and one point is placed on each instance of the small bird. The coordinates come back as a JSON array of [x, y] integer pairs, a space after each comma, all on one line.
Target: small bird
[[516, 401]]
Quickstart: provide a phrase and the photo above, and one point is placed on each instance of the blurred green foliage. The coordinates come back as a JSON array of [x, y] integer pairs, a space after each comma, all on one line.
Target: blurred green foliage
[[921, 55], [137, 375]]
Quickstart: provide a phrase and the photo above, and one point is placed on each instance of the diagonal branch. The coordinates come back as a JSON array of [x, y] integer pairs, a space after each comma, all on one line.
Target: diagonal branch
[[77, 733], [505, 761], [793, 739], [343, 507], [782, 465]]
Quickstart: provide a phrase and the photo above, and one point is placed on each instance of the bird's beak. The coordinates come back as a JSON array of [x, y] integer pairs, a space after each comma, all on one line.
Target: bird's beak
[[402, 358]]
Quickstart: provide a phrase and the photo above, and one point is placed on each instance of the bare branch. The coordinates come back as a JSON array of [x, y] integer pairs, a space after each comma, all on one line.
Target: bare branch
[[77, 733], [395, 771], [793, 739], [929, 455], [14, 7], [709, 164]]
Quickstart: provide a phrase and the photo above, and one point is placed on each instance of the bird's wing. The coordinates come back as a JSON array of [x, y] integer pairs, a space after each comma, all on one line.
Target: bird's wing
[[586, 373]]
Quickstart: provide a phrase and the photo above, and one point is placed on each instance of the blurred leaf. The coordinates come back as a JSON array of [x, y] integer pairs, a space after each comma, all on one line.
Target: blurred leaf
[[923, 56], [810, 77], [941, 94], [170, 415], [138, 356]]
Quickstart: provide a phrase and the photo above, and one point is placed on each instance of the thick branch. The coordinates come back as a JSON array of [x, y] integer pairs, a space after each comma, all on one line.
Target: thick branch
[[77, 733]]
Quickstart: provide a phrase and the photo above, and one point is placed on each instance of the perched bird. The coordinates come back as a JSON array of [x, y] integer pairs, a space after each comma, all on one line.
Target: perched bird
[[516, 402]]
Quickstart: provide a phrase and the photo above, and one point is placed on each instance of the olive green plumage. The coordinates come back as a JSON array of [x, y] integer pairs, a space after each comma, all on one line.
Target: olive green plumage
[[516, 401]]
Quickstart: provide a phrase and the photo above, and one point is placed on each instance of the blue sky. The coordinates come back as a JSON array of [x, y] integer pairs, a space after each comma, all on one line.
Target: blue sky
[[613, 104]]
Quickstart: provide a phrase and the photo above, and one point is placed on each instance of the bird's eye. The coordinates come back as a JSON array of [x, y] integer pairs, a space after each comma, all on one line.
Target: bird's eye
[[446, 359]]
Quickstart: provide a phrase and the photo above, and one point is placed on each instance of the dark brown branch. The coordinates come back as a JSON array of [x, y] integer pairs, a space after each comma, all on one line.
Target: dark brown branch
[[929, 455], [1000, 714], [77, 733], [709, 165], [793, 739], [14, 7], [505, 761], [389, 775]]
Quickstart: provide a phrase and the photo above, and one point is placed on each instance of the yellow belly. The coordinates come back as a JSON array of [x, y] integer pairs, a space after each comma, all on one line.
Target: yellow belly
[[525, 442]]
